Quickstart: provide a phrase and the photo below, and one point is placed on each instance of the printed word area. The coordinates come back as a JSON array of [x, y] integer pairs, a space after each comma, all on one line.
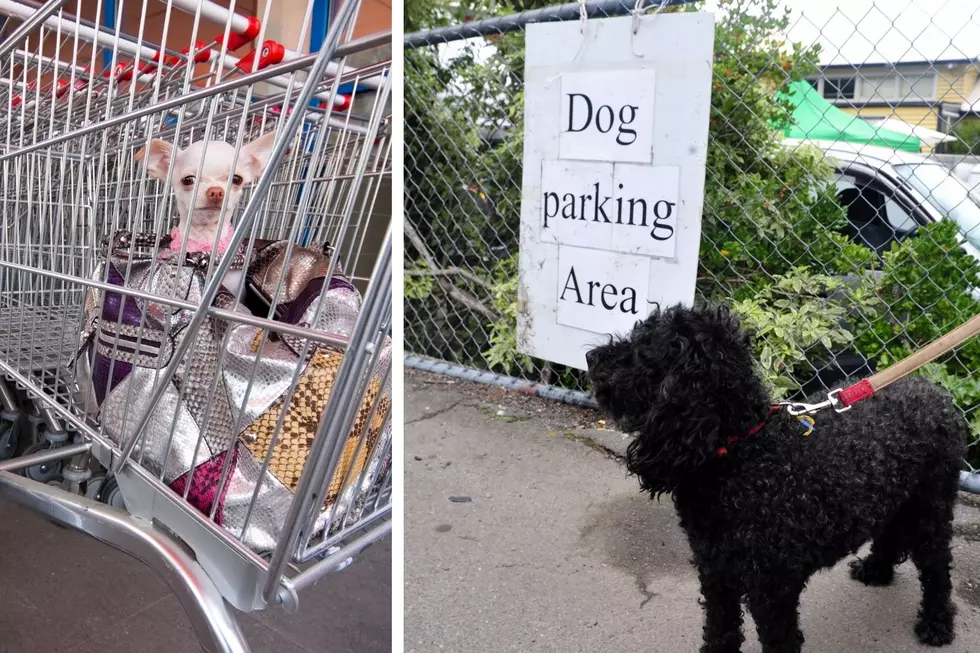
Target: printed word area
[[606, 116], [601, 288], [598, 293], [620, 207]]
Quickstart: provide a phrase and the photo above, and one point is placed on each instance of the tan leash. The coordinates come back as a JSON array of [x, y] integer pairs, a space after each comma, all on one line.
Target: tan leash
[[843, 399]]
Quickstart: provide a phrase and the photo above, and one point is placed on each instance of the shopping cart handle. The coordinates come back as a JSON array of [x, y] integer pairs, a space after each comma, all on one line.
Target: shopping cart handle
[[64, 86], [17, 100], [201, 51], [122, 72], [270, 53], [148, 67], [236, 40]]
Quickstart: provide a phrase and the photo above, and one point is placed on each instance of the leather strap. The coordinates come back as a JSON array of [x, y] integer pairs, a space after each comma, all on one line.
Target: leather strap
[[911, 363]]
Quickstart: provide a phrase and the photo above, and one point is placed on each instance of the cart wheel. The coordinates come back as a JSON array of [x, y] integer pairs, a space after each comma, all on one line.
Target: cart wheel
[[111, 495], [9, 438], [45, 472]]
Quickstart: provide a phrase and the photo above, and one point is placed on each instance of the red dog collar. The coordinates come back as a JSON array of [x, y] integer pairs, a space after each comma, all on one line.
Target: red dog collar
[[775, 408]]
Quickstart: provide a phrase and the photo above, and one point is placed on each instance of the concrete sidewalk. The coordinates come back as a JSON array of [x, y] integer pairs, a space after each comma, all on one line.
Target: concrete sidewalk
[[523, 534]]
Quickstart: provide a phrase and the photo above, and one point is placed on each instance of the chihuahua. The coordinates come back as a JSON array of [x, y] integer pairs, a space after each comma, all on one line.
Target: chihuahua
[[205, 222]]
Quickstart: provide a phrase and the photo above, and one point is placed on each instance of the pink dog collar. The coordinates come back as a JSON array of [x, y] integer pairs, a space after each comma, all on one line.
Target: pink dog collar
[[176, 241]]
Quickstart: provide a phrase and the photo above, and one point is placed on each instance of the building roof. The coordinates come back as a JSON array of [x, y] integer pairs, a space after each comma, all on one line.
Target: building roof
[[902, 64]]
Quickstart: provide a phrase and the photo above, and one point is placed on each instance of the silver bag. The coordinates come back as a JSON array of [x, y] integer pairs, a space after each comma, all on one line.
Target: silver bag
[[209, 410]]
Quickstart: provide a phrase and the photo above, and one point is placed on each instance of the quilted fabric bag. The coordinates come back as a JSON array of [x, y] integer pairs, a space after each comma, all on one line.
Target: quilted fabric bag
[[231, 390]]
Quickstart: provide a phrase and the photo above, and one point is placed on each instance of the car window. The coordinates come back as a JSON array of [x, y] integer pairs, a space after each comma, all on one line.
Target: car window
[[874, 219], [900, 219], [947, 194]]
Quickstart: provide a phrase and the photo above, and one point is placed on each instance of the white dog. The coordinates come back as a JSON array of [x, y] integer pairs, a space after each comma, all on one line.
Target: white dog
[[202, 222]]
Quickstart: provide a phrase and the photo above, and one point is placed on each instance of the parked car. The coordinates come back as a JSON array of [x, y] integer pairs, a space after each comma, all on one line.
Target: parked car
[[888, 195]]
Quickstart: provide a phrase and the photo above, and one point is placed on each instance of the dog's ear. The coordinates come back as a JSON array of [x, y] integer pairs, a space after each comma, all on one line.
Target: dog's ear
[[255, 156], [681, 431], [708, 392], [156, 157]]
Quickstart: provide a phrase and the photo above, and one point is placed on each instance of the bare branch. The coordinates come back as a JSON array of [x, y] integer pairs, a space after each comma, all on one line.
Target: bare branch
[[461, 296], [449, 272]]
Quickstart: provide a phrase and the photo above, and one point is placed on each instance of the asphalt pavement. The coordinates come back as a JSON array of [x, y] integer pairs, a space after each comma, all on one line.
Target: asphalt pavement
[[524, 534]]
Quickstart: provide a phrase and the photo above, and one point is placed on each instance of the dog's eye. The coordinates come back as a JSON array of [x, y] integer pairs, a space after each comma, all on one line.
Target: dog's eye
[[237, 180], [188, 181]]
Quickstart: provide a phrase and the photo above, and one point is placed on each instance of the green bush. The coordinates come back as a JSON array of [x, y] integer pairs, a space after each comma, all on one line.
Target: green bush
[[925, 287], [503, 353], [968, 133], [795, 322], [966, 394]]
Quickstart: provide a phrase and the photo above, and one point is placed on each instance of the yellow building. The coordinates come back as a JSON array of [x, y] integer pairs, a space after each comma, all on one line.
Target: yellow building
[[933, 95]]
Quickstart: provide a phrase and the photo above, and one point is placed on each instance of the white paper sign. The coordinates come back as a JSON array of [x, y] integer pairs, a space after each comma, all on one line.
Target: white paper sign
[[614, 158], [607, 116], [587, 290]]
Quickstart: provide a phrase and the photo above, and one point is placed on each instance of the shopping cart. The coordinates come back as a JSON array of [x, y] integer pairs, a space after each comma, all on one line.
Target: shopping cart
[[81, 100]]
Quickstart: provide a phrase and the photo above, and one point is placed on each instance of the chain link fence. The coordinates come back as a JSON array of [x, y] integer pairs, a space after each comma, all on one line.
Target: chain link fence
[[838, 222]]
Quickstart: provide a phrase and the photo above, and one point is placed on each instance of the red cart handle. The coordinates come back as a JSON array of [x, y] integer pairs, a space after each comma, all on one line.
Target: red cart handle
[[270, 53], [236, 40]]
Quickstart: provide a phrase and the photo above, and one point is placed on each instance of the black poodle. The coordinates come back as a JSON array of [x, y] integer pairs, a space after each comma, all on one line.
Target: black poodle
[[767, 499]]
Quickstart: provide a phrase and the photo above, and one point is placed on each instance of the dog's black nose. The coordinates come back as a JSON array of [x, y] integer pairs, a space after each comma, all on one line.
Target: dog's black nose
[[589, 356]]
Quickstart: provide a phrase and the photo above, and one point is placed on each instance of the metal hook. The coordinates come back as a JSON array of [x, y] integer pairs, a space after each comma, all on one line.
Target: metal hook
[[797, 408], [637, 14]]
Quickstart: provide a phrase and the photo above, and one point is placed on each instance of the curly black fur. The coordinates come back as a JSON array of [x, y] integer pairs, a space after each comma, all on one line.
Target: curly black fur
[[777, 507]]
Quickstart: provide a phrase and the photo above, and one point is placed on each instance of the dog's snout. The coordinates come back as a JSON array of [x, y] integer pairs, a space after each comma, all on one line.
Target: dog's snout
[[216, 193], [589, 357]]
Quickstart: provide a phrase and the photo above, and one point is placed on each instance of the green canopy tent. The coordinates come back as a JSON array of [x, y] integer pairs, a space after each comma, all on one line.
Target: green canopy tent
[[816, 119]]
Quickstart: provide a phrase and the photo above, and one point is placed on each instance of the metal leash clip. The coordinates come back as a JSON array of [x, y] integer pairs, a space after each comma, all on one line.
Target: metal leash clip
[[797, 408]]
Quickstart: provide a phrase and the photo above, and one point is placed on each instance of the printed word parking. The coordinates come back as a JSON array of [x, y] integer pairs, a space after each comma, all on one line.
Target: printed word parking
[[632, 211]]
